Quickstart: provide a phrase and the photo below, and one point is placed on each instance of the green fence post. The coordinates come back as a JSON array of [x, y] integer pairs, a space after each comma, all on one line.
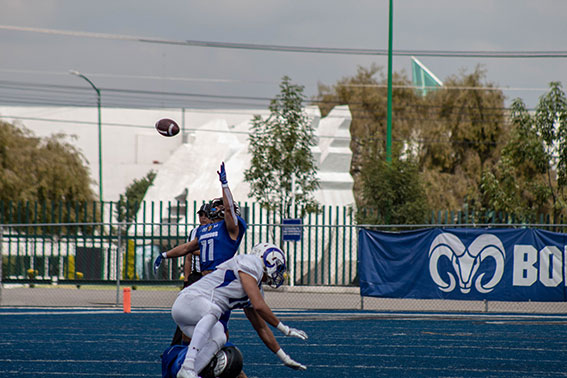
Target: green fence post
[[295, 250], [302, 252], [118, 247], [323, 248], [20, 267], [143, 238], [172, 263], [253, 221], [336, 244], [344, 245], [316, 262], [245, 210], [125, 241], [152, 209], [309, 249], [350, 278], [260, 223]]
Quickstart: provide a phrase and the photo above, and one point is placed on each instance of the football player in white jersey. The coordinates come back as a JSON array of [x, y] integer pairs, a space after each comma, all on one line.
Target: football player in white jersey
[[235, 283], [191, 267]]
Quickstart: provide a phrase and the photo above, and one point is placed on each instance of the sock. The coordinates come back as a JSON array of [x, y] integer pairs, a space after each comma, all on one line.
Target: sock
[[201, 335], [214, 344]]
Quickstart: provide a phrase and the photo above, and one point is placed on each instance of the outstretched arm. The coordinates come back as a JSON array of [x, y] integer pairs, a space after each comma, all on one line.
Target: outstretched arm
[[262, 329], [230, 219], [250, 286], [182, 249], [178, 251], [258, 320]]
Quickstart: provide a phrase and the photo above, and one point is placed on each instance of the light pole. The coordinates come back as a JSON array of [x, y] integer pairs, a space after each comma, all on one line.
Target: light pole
[[389, 107], [77, 73]]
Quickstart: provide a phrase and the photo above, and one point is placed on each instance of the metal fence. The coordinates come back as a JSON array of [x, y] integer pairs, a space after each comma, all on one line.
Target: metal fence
[[74, 250], [325, 255], [58, 254]]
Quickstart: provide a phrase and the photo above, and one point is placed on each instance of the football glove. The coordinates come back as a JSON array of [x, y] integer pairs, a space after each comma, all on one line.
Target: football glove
[[158, 261], [288, 331], [222, 175], [287, 361]]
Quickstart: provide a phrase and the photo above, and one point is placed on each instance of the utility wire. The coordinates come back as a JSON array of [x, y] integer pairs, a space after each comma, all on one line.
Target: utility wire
[[238, 81], [297, 49], [113, 96], [121, 101]]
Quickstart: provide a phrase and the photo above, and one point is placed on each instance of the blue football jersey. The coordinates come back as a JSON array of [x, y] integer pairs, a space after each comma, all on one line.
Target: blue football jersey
[[215, 244]]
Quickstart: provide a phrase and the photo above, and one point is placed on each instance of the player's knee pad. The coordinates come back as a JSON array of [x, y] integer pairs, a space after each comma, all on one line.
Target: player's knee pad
[[218, 335]]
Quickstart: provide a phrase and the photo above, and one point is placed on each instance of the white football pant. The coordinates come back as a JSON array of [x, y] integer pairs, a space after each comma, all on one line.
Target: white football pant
[[198, 318]]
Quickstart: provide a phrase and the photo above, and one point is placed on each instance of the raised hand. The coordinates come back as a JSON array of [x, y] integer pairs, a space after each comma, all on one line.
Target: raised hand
[[222, 174]]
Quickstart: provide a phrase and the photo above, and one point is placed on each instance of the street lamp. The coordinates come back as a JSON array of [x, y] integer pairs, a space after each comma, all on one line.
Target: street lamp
[[77, 73]]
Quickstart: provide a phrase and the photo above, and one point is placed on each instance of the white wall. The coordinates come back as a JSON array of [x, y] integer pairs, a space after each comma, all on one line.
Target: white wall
[[131, 148]]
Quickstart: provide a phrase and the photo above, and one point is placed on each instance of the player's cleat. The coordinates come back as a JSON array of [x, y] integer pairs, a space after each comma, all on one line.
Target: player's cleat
[[184, 373]]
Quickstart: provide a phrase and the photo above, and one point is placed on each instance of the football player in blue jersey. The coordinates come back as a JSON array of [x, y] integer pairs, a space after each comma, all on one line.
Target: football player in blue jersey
[[218, 241], [235, 283]]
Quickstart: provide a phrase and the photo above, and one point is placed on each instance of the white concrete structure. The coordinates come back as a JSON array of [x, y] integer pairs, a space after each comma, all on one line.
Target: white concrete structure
[[188, 162]]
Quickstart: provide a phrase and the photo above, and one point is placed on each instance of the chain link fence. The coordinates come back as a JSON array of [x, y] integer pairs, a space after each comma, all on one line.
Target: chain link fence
[[89, 265]]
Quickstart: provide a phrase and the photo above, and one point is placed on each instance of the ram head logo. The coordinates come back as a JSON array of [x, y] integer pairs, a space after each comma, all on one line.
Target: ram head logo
[[466, 261]]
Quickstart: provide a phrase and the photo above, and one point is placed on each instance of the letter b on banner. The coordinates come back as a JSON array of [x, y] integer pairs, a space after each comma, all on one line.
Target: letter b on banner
[[549, 269]]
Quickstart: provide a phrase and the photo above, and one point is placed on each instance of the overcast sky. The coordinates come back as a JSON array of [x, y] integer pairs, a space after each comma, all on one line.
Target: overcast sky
[[39, 57]]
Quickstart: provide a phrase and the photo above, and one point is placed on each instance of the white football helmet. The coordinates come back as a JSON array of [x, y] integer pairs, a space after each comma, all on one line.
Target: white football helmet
[[274, 263]]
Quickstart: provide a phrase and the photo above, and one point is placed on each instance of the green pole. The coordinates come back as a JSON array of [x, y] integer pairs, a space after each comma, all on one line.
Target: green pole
[[77, 73], [389, 111], [99, 145]]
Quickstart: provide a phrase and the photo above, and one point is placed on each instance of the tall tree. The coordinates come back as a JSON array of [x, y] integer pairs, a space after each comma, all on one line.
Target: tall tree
[[33, 168], [282, 168], [49, 170], [463, 126], [392, 193], [531, 176], [366, 95], [453, 132]]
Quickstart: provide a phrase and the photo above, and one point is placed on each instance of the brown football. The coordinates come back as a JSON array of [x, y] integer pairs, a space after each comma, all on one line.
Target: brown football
[[167, 127]]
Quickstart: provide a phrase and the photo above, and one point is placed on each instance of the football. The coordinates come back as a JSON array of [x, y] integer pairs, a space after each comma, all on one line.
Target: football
[[167, 127]]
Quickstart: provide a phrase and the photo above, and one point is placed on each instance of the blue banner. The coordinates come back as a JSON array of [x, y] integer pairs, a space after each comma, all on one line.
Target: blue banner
[[464, 264]]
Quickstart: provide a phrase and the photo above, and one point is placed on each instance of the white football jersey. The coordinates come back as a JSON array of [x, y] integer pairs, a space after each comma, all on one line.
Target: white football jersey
[[223, 286]]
